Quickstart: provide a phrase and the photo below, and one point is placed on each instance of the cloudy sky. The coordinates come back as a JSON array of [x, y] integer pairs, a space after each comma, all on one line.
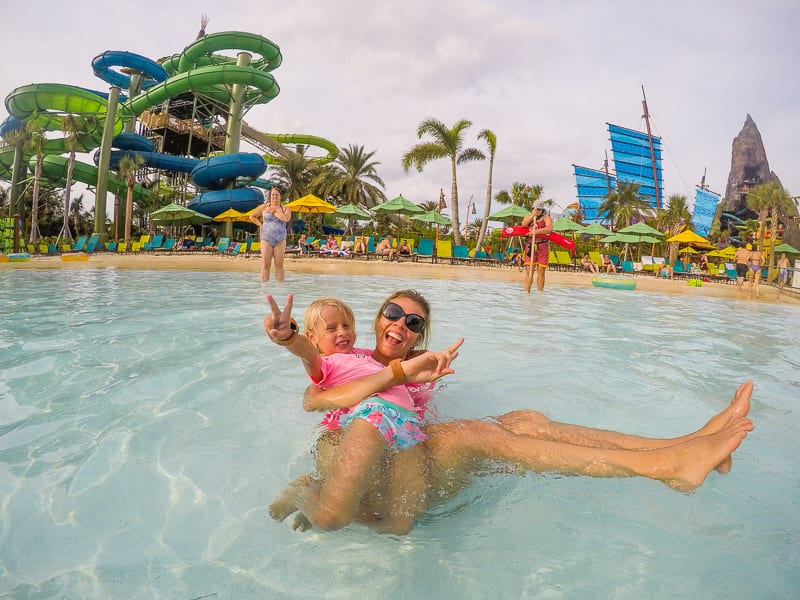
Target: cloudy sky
[[545, 77]]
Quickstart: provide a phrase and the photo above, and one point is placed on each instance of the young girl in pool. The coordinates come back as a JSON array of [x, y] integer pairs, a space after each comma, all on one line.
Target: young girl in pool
[[390, 418]]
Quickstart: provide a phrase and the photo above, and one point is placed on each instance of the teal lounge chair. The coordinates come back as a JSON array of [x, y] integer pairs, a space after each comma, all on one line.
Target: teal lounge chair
[[424, 250], [461, 254], [627, 267], [94, 244], [154, 244], [79, 245]]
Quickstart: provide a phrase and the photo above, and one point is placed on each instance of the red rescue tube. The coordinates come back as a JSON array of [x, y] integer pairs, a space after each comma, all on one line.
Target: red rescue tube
[[554, 237]]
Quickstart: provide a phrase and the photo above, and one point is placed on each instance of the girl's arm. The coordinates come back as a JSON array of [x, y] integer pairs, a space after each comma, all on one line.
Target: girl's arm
[[425, 367], [282, 330]]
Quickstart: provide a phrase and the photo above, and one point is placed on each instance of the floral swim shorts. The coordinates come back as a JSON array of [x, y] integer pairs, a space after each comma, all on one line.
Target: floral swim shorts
[[398, 426]]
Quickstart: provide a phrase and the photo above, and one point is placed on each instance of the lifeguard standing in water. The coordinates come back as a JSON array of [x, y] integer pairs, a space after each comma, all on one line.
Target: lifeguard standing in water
[[540, 223]]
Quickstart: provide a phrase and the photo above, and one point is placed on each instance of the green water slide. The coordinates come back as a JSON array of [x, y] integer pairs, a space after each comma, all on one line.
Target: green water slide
[[49, 104], [199, 68], [54, 169]]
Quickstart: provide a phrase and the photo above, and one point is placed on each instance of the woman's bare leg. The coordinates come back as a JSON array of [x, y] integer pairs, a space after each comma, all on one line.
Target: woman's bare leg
[[278, 254], [266, 259], [455, 446], [527, 422]]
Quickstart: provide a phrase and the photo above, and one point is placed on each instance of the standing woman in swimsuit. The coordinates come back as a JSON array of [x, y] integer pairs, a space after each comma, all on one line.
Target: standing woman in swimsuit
[[272, 224], [755, 262]]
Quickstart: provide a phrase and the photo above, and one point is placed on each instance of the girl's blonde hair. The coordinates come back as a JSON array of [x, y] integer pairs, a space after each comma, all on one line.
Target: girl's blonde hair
[[312, 320]]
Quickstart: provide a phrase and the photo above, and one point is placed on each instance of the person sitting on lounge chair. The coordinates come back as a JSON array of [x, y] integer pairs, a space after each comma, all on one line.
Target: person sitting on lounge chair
[[385, 248], [588, 264], [404, 249], [361, 246], [608, 265]]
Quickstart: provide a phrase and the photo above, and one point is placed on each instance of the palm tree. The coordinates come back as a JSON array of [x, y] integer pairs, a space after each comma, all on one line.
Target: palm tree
[[72, 129], [673, 218], [446, 143], [295, 174], [521, 194], [769, 197], [126, 170], [491, 141], [352, 178], [77, 215], [35, 145], [623, 204]]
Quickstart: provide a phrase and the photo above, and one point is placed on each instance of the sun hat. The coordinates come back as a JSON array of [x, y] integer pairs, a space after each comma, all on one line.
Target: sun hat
[[539, 204]]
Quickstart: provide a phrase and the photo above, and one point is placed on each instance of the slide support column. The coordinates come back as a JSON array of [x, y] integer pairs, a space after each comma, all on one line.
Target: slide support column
[[102, 169]]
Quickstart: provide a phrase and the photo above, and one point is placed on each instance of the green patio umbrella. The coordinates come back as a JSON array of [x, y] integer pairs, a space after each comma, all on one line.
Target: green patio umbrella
[[563, 224], [399, 205], [510, 213], [596, 229], [641, 228], [175, 214], [788, 248], [353, 213], [432, 217]]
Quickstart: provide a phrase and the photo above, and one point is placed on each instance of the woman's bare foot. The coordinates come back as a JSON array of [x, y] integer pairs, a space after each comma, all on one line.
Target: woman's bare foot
[[695, 459], [739, 407]]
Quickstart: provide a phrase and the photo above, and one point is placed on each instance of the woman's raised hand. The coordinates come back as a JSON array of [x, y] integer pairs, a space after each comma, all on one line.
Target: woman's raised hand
[[430, 366], [278, 324]]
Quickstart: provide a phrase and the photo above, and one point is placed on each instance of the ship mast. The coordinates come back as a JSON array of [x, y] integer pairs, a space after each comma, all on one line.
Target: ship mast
[[646, 117]]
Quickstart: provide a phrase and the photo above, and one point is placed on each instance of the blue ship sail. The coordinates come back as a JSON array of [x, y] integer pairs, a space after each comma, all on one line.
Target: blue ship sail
[[633, 161], [705, 204], [593, 185]]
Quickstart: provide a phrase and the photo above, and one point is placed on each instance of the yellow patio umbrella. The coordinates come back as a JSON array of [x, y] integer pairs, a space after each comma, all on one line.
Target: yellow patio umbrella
[[229, 216], [687, 236], [310, 203]]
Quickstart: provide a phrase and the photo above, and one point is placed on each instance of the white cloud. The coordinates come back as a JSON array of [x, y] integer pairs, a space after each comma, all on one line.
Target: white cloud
[[545, 77]]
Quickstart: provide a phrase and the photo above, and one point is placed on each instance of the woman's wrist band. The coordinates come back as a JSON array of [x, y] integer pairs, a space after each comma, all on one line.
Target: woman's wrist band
[[288, 340], [397, 371]]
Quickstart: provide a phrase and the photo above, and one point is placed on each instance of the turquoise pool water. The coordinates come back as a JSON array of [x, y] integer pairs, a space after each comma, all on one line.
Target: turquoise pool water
[[145, 424]]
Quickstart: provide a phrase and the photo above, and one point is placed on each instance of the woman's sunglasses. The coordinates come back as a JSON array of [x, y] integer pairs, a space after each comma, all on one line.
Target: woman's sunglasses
[[394, 312]]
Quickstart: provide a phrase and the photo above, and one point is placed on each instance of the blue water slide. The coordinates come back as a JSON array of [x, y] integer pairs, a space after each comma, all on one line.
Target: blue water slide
[[215, 172], [103, 95], [129, 144], [11, 123], [215, 202], [102, 65]]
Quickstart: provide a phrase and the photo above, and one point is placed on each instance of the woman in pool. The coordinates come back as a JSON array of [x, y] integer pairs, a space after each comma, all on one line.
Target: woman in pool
[[272, 224], [460, 449], [387, 419]]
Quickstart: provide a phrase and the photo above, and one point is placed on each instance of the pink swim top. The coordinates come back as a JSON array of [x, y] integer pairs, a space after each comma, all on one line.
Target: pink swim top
[[343, 368]]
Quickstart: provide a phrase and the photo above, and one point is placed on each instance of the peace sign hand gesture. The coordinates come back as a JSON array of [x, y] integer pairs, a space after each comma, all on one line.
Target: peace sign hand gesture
[[278, 324]]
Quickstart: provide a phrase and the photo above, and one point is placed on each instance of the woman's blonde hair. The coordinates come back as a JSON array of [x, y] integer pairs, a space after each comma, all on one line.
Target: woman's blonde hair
[[414, 296], [312, 320]]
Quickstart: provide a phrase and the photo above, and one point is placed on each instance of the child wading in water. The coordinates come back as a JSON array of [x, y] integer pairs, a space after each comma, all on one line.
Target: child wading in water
[[389, 419]]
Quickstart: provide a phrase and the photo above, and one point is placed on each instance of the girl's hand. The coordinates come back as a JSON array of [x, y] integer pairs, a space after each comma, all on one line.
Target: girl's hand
[[278, 324], [430, 366]]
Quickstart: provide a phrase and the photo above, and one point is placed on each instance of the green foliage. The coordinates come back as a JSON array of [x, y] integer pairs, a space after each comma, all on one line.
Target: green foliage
[[623, 204], [445, 143], [351, 179]]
